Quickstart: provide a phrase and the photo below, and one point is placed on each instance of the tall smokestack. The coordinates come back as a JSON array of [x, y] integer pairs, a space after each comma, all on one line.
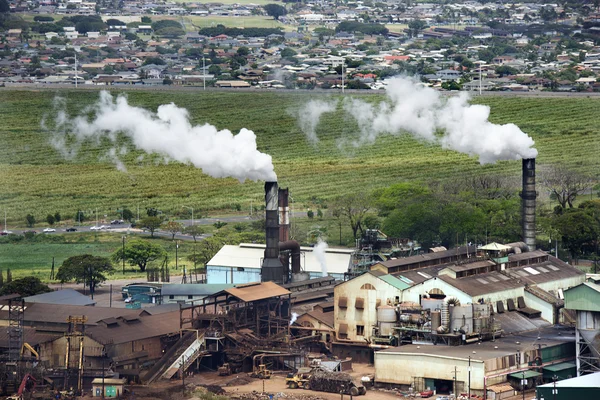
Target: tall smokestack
[[272, 269], [284, 215], [528, 197]]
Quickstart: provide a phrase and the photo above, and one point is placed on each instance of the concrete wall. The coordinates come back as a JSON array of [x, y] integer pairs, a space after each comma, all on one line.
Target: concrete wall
[[562, 284], [546, 308], [366, 317], [216, 274], [412, 293], [403, 368]]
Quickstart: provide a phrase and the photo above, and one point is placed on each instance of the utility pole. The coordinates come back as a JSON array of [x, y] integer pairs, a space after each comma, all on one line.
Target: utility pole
[[75, 68], [523, 384], [454, 390], [554, 390], [123, 254], [342, 76], [203, 75], [469, 389]]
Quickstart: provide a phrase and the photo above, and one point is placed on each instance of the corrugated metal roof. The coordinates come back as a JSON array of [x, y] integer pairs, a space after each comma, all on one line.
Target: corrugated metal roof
[[560, 366], [395, 282], [246, 256], [195, 289], [429, 256], [65, 296], [257, 291], [584, 297], [590, 381], [525, 375], [58, 313], [146, 327]]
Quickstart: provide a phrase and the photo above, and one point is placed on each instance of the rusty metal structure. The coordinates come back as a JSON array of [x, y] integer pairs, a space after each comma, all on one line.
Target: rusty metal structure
[[74, 352]]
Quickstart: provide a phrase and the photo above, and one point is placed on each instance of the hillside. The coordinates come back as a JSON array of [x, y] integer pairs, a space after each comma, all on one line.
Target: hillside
[[35, 178]]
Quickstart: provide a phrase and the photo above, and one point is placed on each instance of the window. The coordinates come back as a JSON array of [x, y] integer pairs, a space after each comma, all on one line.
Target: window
[[368, 286], [190, 297], [171, 297], [360, 330]]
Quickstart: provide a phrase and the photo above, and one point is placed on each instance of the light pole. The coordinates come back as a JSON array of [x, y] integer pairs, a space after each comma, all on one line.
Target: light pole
[[469, 369], [123, 253], [523, 384], [191, 208], [554, 389]]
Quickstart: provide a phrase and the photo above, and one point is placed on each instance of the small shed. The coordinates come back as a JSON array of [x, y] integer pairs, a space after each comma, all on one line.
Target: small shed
[[113, 387]]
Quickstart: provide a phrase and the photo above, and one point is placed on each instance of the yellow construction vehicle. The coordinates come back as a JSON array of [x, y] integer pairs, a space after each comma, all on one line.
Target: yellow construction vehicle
[[31, 350], [224, 370], [261, 372], [299, 380]]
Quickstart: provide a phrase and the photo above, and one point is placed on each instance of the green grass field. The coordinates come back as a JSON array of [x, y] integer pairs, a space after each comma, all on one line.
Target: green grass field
[[34, 257], [35, 179]]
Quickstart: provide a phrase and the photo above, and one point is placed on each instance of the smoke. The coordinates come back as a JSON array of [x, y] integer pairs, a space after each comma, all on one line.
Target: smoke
[[310, 114], [294, 318], [319, 251], [167, 133], [452, 123]]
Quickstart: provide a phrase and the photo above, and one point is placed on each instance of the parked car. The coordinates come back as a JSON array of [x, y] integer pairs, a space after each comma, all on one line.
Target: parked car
[[96, 228], [4, 233], [117, 222], [49, 230], [71, 229]]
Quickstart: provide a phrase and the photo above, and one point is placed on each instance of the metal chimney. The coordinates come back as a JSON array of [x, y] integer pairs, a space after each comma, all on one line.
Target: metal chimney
[[284, 215], [528, 197], [272, 269]]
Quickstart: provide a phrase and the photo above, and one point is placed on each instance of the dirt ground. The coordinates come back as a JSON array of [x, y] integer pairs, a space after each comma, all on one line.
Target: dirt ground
[[173, 390]]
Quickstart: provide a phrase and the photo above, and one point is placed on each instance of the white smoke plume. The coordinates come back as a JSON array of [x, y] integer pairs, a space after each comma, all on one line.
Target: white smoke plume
[[294, 318], [426, 114], [319, 251], [310, 114], [167, 133]]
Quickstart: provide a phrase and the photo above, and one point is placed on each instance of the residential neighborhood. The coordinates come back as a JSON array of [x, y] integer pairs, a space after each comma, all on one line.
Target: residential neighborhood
[[462, 45]]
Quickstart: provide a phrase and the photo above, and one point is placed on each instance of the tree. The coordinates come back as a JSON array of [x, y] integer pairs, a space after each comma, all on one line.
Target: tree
[[79, 216], [151, 223], [4, 7], [139, 253], [565, 185], [194, 231], [87, 269], [173, 228], [415, 26], [146, 20], [28, 286], [30, 220], [577, 228], [50, 219], [354, 207], [275, 10], [127, 215], [57, 217], [8, 275]]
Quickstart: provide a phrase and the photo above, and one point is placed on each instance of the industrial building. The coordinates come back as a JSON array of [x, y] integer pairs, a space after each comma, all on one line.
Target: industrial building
[[476, 367], [189, 292], [242, 263], [583, 387], [585, 300]]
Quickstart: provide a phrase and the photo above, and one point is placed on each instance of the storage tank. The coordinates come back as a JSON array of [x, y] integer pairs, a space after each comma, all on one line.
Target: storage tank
[[386, 314], [462, 318], [386, 328], [436, 320], [481, 310], [431, 304]]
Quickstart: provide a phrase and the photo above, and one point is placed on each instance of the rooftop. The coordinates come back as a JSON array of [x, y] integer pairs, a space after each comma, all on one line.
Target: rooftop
[[489, 350], [65, 296], [256, 291], [247, 255], [591, 381], [184, 289]]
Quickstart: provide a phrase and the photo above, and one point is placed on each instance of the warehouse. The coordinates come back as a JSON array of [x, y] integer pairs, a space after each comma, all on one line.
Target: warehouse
[[491, 362], [242, 263], [585, 300], [582, 387]]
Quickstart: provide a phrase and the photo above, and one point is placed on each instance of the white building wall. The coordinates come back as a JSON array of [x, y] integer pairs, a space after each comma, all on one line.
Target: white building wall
[[412, 293], [403, 368], [563, 284], [366, 317], [535, 302], [216, 274]]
